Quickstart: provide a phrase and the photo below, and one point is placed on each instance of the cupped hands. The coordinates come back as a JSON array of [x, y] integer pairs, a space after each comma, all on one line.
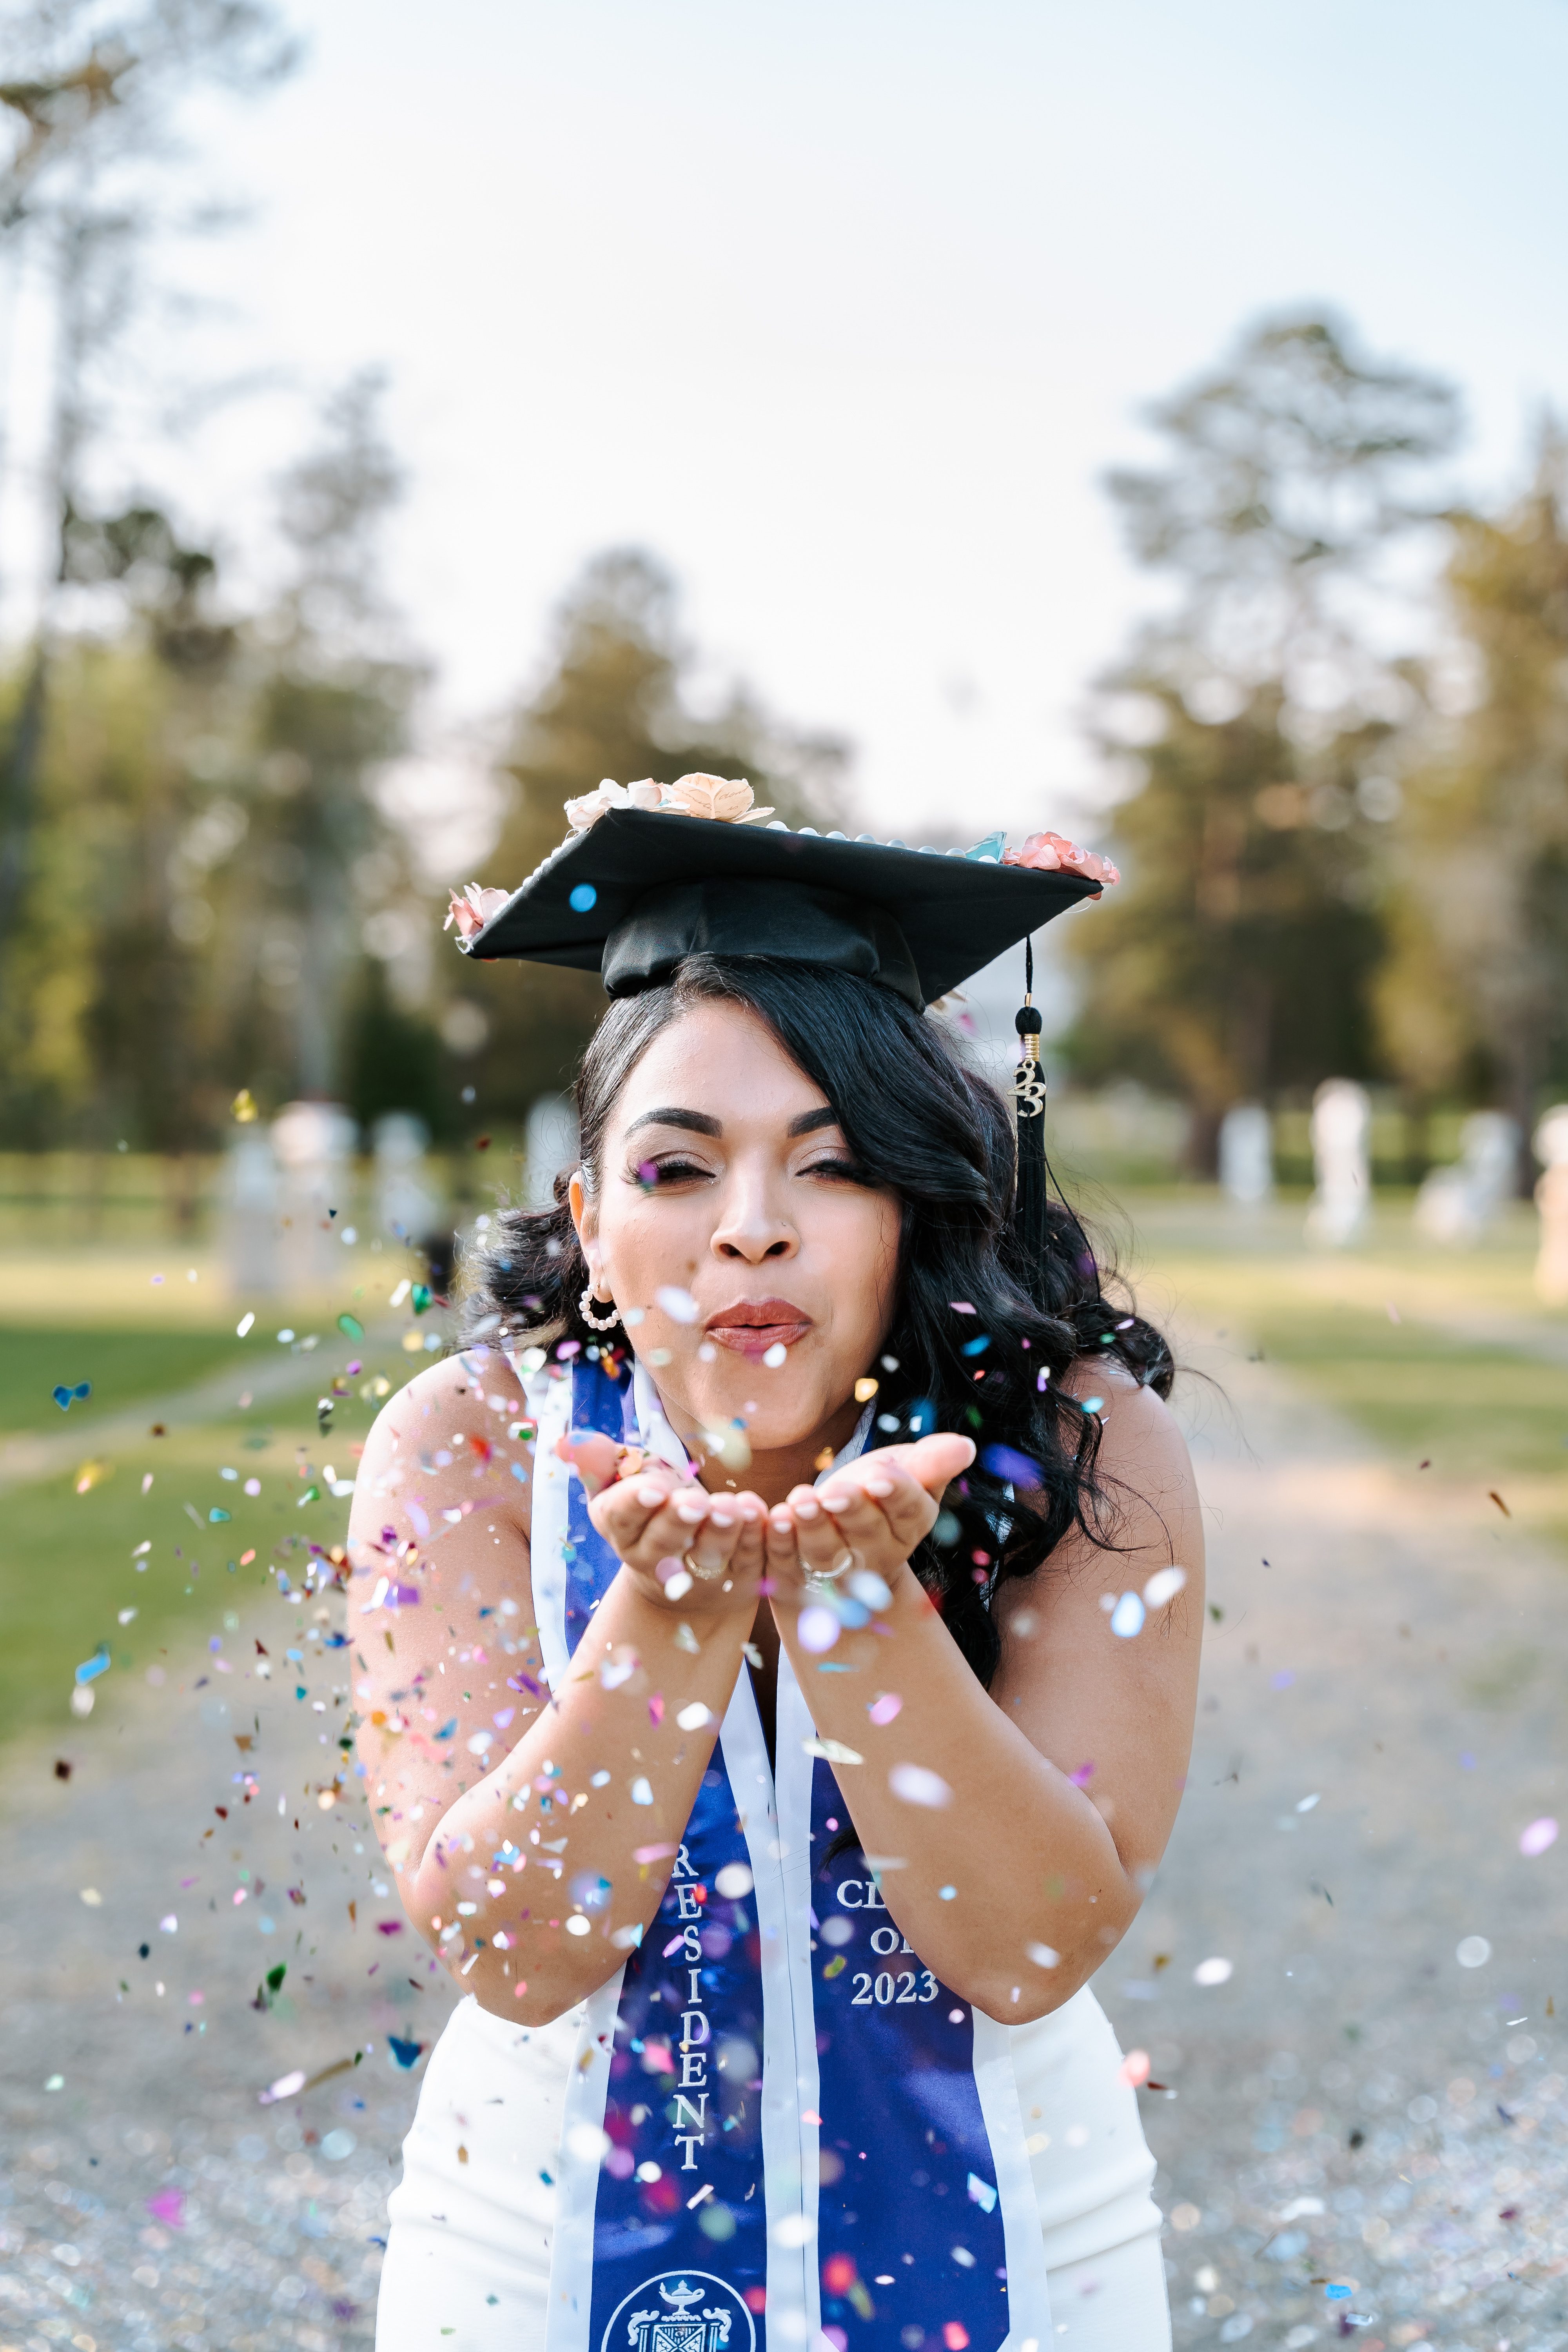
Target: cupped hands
[[690, 1549]]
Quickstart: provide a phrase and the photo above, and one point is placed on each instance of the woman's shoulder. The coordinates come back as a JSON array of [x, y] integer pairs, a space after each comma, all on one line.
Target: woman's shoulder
[[451, 1409], [1142, 1447]]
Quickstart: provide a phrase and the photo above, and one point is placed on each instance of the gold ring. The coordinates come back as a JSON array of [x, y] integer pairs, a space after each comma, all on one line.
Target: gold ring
[[690, 1559]]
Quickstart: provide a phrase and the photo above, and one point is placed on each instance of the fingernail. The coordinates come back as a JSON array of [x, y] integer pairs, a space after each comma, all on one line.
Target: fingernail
[[783, 1523], [650, 1495], [877, 1486], [836, 1499], [692, 1514], [723, 1518], [806, 1510]]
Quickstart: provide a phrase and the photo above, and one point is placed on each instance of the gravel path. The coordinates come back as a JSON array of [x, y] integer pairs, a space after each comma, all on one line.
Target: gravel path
[[147, 2198], [1382, 1718], [1353, 2108]]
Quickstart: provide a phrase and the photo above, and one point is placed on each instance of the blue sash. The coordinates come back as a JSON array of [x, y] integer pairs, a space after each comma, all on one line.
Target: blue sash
[[776, 2140]]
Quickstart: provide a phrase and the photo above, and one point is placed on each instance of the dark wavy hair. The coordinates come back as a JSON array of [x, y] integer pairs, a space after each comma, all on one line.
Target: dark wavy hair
[[917, 1121]]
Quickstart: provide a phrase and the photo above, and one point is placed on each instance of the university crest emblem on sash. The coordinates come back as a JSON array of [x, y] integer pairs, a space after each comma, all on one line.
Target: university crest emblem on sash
[[683, 2311]]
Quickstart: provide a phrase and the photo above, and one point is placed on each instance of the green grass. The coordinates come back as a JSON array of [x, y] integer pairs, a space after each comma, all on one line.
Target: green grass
[[1422, 1395], [124, 1368], [67, 1568], [1429, 1388]]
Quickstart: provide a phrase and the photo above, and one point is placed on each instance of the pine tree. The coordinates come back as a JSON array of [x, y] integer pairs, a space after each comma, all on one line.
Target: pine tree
[[1474, 998], [1234, 961]]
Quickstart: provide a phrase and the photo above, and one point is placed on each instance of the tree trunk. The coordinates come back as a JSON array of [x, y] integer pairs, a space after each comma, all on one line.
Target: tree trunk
[[18, 790], [1201, 1153]]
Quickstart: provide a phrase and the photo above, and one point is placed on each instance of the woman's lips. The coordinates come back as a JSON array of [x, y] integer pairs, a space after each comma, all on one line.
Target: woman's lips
[[752, 1327]]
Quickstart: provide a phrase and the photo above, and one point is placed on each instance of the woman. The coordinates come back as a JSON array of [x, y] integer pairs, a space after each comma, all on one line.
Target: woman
[[743, 1716]]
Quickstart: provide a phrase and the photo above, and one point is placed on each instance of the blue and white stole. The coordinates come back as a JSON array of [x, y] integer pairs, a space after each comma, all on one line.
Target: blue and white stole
[[782, 2133]]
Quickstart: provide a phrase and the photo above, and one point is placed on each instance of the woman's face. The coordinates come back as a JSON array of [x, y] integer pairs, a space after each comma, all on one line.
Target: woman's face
[[725, 1177]]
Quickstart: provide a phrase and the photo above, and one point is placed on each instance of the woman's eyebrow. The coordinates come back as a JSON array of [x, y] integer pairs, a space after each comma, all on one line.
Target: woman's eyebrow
[[826, 1116], [695, 1121]]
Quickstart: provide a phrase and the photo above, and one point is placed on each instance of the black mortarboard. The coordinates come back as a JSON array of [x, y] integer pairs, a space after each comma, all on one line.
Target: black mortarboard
[[641, 889]]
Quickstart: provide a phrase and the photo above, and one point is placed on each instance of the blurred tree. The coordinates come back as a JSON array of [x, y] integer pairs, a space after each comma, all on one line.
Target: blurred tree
[[611, 705], [1239, 965], [394, 1057], [107, 1029], [1234, 961], [332, 688], [1473, 999], [91, 101], [208, 853]]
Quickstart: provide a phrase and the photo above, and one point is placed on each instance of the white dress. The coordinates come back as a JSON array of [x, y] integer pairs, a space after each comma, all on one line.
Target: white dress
[[490, 2156], [467, 2265]]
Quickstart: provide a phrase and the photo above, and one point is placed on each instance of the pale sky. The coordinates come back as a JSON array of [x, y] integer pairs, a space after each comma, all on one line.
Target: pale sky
[[843, 307]]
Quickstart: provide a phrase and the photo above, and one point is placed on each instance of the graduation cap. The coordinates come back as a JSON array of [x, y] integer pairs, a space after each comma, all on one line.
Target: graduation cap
[[641, 889], [645, 883]]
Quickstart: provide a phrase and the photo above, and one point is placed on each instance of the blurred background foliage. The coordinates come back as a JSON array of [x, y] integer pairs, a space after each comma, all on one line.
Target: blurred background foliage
[[1339, 858], [1339, 861]]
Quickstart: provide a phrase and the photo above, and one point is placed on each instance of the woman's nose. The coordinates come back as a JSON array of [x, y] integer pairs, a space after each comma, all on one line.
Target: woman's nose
[[751, 1225]]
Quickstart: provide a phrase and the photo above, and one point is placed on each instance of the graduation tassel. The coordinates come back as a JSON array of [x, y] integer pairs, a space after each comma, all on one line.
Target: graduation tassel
[[1030, 1094]]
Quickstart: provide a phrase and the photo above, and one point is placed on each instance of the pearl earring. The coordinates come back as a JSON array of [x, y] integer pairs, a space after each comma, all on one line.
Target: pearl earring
[[586, 1310]]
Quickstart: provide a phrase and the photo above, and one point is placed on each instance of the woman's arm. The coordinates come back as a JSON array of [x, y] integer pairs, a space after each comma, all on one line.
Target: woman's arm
[[1064, 1779], [578, 1802]]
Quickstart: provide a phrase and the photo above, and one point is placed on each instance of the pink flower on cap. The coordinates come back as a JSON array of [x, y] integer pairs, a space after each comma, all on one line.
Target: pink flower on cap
[[471, 909], [1053, 853]]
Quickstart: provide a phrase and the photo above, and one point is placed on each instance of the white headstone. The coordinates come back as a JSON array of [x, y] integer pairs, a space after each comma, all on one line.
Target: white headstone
[[550, 1144], [405, 1205], [1550, 1142], [1456, 1205], [250, 1214], [1341, 1129], [314, 1142], [1246, 1154]]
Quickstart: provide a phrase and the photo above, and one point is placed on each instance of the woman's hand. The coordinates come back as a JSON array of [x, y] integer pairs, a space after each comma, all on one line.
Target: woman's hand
[[687, 1551], [875, 1510]]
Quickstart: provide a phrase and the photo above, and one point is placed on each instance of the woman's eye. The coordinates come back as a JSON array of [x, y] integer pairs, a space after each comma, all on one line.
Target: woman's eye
[[838, 1165], [653, 1174]]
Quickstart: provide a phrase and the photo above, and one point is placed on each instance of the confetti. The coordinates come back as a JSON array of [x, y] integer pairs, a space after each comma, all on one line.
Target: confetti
[[1002, 1462], [678, 1305], [817, 1628], [1162, 1586], [1127, 1617], [917, 1786], [1474, 1952], [1214, 1971], [884, 1707], [65, 1397], [1538, 1836], [833, 1751]]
